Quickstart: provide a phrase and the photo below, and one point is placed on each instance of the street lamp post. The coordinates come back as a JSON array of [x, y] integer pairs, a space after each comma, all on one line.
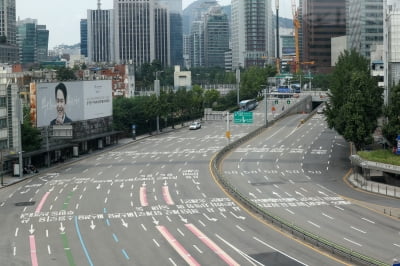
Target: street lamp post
[[157, 90]]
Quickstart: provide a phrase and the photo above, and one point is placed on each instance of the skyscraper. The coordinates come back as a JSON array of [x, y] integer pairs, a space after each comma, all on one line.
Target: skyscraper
[[364, 25], [216, 37], [176, 31], [8, 29], [321, 20], [84, 37], [33, 41], [100, 35], [161, 33], [134, 31], [252, 33], [42, 43]]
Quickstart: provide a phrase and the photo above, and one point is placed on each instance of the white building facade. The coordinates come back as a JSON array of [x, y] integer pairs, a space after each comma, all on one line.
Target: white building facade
[[252, 33], [392, 47]]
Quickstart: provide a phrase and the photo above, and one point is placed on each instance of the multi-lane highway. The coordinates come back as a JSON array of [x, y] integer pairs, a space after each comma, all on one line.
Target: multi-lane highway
[[154, 202], [295, 171]]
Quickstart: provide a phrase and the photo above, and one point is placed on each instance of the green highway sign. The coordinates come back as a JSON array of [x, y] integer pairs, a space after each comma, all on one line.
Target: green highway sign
[[243, 117]]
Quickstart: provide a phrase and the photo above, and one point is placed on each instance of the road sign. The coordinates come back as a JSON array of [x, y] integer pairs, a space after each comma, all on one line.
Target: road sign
[[243, 117]]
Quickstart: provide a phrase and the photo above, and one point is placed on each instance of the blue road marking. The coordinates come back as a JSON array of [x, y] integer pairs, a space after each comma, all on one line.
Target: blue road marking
[[82, 243], [115, 238], [125, 254]]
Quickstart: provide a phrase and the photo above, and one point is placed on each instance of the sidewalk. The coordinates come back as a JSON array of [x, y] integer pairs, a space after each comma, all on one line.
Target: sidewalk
[[358, 181], [9, 179]]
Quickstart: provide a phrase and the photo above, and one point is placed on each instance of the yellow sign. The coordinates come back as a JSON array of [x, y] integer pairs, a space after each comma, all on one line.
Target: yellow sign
[[228, 134]]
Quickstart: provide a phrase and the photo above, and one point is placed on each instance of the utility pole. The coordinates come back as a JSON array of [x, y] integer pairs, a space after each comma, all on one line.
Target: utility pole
[[238, 83]]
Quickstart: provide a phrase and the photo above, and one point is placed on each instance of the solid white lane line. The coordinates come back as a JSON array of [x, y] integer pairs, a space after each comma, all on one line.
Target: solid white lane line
[[365, 219], [316, 225], [355, 243], [359, 230], [289, 211], [271, 247], [326, 215]]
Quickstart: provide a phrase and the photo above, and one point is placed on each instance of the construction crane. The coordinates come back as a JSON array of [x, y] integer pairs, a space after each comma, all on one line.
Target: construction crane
[[296, 25]]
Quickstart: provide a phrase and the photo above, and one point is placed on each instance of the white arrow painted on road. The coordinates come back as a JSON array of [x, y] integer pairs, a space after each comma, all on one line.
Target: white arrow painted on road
[[165, 183], [92, 225], [124, 223], [122, 185], [155, 221], [31, 231], [277, 194], [323, 193], [210, 219], [98, 187], [238, 217], [252, 194], [195, 182], [75, 188], [182, 219], [62, 228], [26, 191]]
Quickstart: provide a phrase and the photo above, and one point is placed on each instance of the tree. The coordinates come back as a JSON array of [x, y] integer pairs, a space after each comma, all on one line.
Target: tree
[[30, 136], [64, 74], [392, 126], [355, 99], [210, 97], [254, 80]]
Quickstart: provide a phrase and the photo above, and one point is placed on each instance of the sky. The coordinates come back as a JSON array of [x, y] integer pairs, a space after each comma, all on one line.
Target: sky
[[62, 17]]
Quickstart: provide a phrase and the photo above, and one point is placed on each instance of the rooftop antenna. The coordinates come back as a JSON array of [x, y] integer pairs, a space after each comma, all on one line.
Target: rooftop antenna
[[98, 4]]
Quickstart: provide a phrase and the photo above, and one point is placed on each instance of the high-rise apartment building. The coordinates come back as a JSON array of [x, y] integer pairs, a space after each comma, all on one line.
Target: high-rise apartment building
[[84, 37], [100, 37], [252, 33], [8, 31], [216, 37], [364, 25], [320, 21]]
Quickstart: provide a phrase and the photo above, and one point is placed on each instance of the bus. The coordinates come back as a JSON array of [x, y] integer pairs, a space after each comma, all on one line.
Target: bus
[[248, 105]]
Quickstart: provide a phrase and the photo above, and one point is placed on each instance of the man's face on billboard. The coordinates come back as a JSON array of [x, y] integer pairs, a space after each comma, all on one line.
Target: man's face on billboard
[[60, 99]]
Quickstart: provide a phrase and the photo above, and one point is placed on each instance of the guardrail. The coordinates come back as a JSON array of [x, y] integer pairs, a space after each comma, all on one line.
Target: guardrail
[[295, 230]]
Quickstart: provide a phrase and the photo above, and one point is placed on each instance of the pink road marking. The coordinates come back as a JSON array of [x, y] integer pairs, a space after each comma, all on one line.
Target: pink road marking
[[209, 243], [167, 196], [32, 244], [143, 197], [42, 201], [177, 246]]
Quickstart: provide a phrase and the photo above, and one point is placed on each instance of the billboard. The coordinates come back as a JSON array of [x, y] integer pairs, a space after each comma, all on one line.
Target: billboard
[[64, 102]]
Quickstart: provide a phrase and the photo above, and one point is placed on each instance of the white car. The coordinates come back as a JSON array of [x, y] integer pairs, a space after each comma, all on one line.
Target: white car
[[195, 125]]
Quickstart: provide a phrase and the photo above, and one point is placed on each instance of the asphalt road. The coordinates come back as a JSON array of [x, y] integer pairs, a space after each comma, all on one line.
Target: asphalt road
[[152, 202], [295, 171]]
